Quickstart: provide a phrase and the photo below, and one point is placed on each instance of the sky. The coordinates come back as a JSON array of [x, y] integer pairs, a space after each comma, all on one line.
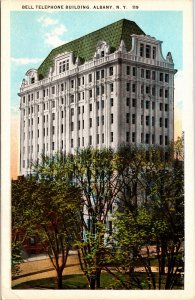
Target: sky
[[35, 33]]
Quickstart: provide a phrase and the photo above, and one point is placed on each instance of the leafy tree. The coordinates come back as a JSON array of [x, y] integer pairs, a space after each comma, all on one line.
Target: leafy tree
[[51, 212], [157, 221], [95, 173]]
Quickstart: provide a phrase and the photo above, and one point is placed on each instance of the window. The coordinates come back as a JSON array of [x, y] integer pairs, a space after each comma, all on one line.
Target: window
[[142, 50], [62, 144], [53, 129], [72, 126], [142, 73], [83, 80], [102, 53], [83, 141], [153, 121], [38, 133], [127, 101], [62, 114], [90, 93], [166, 107], [79, 96], [72, 111], [142, 137], [128, 70], [90, 77], [90, 122], [161, 139], [148, 50], [160, 122], [31, 96], [111, 137], [153, 91], [97, 105], [98, 138], [153, 75], [63, 66], [53, 89], [83, 124], [111, 119], [166, 93], [53, 116], [62, 128], [102, 89], [147, 74], [166, 140], [79, 125], [97, 91], [111, 87], [72, 143], [53, 103], [90, 107], [102, 73], [127, 136], [72, 99], [102, 104], [134, 71], [133, 118], [166, 123], [128, 87], [142, 103], [147, 138], [147, 104], [161, 77], [79, 142], [133, 102], [161, 106], [53, 145], [102, 120], [98, 121], [37, 121], [83, 95], [161, 92], [127, 118], [142, 119], [102, 138], [98, 75], [111, 71], [166, 77], [90, 140], [153, 138], [32, 109], [133, 88], [62, 87], [111, 102], [79, 81], [147, 120], [133, 137], [147, 89], [154, 52], [72, 84], [37, 95]]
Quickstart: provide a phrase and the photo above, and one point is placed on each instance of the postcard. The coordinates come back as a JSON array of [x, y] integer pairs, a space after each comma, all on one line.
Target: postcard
[[97, 152]]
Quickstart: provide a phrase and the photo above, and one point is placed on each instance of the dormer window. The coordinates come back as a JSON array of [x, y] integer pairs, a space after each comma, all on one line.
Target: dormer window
[[154, 53], [63, 66], [102, 53], [32, 80]]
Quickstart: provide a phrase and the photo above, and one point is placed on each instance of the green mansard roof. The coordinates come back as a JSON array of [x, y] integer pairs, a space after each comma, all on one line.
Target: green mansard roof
[[85, 46]]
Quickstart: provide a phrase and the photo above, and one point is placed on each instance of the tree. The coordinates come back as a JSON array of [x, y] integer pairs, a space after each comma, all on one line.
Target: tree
[[52, 210], [156, 222], [95, 173]]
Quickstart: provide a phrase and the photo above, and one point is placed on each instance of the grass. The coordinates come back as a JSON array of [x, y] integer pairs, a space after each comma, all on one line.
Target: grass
[[78, 281]]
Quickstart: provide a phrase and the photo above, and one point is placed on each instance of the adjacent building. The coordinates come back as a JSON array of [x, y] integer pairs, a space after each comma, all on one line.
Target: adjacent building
[[109, 87]]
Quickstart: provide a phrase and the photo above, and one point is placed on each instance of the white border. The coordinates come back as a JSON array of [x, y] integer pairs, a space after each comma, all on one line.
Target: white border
[[188, 120]]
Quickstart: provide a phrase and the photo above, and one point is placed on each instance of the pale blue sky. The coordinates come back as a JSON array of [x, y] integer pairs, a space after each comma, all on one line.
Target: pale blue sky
[[34, 34]]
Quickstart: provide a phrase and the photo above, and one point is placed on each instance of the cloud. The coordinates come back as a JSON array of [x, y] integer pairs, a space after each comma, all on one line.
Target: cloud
[[54, 38], [47, 21], [25, 60]]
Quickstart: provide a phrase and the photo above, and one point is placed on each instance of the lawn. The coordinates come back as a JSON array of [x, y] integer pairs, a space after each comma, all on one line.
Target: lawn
[[78, 281]]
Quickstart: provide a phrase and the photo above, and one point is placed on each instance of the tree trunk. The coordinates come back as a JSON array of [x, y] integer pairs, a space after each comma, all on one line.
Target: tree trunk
[[92, 283], [98, 274], [59, 280]]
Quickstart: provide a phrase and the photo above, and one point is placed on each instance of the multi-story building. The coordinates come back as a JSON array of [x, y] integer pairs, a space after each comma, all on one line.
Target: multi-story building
[[109, 87]]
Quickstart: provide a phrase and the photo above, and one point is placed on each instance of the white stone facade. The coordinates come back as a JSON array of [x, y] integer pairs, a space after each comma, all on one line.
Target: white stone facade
[[120, 97]]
